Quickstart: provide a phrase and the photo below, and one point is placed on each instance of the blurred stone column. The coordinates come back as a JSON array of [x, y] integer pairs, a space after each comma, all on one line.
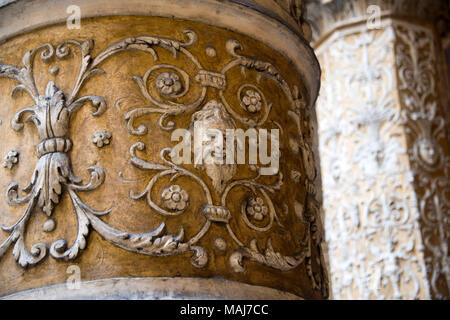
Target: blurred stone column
[[98, 90], [384, 148]]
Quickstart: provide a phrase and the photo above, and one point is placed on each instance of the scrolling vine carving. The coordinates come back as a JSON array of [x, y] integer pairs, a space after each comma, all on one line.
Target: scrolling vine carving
[[53, 174], [220, 114]]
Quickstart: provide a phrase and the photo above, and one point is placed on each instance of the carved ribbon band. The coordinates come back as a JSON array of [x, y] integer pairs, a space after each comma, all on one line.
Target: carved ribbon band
[[53, 174], [54, 145]]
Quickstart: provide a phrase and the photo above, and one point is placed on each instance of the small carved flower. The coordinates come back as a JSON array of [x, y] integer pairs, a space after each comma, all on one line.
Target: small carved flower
[[101, 138], [252, 101], [168, 83], [10, 159], [175, 198], [256, 208]]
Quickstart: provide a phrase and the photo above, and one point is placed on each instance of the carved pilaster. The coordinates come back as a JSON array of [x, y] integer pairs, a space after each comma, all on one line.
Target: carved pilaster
[[384, 149]]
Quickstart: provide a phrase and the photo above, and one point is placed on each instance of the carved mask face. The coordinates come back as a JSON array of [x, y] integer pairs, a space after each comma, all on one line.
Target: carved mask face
[[427, 152], [213, 117]]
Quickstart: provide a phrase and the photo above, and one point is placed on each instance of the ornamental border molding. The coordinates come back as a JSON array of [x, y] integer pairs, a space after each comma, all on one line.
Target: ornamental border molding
[[155, 288]]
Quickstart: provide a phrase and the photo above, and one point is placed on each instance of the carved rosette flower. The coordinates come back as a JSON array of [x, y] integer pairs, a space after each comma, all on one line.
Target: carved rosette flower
[[175, 198], [252, 101], [168, 84], [256, 208], [11, 159], [101, 138]]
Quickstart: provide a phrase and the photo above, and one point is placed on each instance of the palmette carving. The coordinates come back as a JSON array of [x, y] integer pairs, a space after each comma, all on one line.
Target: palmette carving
[[51, 115], [53, 173]]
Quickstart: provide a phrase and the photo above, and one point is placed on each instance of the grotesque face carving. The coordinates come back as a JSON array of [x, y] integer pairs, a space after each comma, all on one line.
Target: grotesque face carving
[[428, 152]]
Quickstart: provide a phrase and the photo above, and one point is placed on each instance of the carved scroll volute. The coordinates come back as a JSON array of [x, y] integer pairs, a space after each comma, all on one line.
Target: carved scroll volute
[[184, 204], [245, 207]]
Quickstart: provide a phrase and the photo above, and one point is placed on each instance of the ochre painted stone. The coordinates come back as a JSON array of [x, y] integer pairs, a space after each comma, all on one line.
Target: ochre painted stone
[[294, 231]]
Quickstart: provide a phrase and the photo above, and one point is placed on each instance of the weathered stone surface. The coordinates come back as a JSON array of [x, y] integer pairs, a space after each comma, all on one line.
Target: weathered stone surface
[[104, 101]]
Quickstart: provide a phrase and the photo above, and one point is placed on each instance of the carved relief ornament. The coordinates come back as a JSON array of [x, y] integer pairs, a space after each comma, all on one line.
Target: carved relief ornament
[[53, 173]]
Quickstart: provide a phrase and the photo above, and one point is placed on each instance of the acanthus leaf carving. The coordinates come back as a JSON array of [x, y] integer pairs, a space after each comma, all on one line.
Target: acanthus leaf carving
[[53, 174], [222, 115]]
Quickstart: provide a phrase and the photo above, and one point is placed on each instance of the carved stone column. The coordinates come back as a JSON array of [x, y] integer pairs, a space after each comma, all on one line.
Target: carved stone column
[[91, 191], [384, 147]]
